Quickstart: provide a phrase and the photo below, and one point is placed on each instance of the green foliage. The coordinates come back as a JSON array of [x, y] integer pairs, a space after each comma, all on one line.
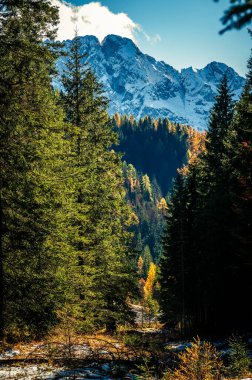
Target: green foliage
[[214, 215], [156, 148], [153, 151], [238, 15], [148, 215], [174, 275], [134, 341], [152, 308], [147, 259], [33, 20], [65, 246], [219, 123], [31, 156], [64, 240], [147, 370], [100, 216], [238, 356], [207, 245], [146, 187]]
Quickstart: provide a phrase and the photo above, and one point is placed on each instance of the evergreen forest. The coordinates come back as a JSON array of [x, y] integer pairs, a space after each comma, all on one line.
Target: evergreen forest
[[101, 216]]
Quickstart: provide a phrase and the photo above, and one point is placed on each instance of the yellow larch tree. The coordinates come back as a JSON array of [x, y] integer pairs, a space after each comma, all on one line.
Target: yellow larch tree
[[149, 284]]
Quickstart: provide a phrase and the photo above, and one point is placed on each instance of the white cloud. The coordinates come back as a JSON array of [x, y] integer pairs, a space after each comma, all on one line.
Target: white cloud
[[152, 39], [93, 19]]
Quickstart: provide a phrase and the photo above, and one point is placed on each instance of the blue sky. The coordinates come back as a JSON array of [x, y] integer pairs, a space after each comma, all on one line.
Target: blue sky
[[188, 31]]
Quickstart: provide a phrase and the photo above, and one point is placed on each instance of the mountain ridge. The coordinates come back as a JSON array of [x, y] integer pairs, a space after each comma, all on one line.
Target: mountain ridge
[[138, 84]]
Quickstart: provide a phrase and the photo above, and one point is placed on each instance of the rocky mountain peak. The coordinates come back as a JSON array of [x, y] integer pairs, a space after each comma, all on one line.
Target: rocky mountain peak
[[137, 84]]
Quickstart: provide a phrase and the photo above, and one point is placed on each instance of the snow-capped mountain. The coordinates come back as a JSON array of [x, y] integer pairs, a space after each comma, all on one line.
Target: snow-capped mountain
[[137, 84]]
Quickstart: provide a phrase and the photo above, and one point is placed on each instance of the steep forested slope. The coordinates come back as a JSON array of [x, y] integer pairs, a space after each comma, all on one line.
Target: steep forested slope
[[156, 147], [153, 151]]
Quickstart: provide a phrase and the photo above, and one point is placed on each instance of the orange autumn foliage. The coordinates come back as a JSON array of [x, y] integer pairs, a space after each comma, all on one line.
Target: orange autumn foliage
[[196, 145]]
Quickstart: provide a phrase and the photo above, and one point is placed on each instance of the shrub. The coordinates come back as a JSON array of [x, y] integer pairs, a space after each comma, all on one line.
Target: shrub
[[147, 370], [238, 357], [201, 361]]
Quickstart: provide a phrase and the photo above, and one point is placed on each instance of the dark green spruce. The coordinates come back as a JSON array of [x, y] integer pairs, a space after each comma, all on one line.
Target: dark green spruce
[[31, 152], [101, 214], [217, 212], [173, 264]]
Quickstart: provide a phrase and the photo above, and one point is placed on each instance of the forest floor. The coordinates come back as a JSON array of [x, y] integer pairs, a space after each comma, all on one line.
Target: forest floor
[[99, 356], [63, 355], [43, 360], [84, 357]]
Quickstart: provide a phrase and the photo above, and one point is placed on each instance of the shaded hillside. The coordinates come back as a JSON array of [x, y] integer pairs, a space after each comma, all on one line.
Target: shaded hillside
[[155, 147], [149, 208], [153, 151]]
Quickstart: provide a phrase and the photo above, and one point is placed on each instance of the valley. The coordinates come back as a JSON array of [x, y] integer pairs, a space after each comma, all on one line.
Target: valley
[[125, 195]]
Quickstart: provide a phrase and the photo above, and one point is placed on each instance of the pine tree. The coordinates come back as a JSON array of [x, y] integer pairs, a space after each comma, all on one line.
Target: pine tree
[[237, 15], [214, 211], [206, 253], [238, 164], [173, 261], [102, 215], [147, 260], [147, 189], [31, 153], [219, 124]]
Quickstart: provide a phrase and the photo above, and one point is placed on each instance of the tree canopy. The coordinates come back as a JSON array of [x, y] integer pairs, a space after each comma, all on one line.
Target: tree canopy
[[237, 16]]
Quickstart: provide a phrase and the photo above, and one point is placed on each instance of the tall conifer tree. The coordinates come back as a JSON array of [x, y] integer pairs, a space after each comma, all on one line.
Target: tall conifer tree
[[238, 164], [215, 211], [173, 272], [31, 152], [102, 215], [202, 210]]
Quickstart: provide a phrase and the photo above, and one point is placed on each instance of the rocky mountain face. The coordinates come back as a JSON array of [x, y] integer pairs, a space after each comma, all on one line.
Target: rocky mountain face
[[137, 84]]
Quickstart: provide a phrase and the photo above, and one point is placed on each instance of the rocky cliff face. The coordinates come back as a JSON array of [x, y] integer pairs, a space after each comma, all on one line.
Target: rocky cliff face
[[137, 84]]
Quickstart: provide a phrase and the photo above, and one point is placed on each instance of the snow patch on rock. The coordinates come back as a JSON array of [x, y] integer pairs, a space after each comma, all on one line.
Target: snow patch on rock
[[137, 84]]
